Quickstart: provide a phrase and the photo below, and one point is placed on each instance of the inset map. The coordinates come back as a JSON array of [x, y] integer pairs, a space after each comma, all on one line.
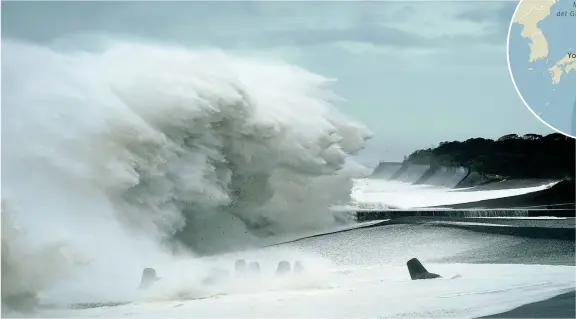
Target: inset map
[[542, 60]]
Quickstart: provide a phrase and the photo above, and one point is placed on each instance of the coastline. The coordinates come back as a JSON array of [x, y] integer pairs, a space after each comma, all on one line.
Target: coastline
[[561, 306]]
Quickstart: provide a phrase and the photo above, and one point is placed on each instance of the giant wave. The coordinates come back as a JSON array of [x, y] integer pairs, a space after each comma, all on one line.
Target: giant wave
[[114, 159]]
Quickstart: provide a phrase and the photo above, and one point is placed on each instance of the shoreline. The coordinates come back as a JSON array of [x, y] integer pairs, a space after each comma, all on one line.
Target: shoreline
[[560, 306]]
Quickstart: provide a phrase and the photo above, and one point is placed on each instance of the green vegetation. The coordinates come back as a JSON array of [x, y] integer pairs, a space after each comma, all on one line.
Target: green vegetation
[[511, 156]]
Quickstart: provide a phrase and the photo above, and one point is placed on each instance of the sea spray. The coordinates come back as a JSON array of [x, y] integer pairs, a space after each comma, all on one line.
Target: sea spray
[[117, 151], [28, 269]]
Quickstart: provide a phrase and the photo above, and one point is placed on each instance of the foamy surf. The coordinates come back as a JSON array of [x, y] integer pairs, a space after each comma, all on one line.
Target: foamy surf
[[376, 291], [383, 193]]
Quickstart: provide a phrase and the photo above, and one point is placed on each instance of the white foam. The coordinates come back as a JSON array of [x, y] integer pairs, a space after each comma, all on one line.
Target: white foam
[[468, 223], [403, 195], [377, 291]]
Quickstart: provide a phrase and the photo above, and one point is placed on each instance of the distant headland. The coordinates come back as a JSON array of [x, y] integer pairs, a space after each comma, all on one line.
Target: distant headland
[[511, 156]]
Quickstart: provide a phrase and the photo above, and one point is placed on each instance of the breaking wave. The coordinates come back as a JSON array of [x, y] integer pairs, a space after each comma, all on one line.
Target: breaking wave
[[116, 154]]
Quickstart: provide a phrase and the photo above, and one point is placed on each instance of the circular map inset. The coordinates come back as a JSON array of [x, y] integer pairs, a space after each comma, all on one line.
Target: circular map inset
[[542, 60]]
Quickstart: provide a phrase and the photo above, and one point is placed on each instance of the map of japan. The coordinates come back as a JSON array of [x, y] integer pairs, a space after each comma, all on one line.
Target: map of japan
[[542, 60]]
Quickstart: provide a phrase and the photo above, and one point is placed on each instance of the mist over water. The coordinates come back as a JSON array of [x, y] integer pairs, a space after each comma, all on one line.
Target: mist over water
[[120, 158]]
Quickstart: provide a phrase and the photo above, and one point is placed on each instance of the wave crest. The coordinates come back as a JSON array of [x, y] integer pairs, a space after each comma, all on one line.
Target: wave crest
[[158, 142]]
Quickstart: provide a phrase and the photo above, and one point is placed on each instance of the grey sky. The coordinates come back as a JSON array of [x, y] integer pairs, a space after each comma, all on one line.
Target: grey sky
[[417, 73]]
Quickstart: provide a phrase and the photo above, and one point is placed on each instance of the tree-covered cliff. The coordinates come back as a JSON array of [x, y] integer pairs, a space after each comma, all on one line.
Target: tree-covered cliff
[[512, 156]]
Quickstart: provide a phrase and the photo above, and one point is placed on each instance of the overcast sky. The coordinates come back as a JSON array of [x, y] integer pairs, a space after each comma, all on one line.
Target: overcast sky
[[416, 73]]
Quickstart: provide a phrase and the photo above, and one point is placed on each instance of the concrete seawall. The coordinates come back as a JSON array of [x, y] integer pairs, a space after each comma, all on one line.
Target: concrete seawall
[[465, 213], [385, 170], [411, 173], [513, 222], [445, 176]]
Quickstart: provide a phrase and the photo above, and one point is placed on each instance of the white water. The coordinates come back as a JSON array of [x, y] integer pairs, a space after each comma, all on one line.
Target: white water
[[383, 193], [108, 153], [347, 277], [372, 291]]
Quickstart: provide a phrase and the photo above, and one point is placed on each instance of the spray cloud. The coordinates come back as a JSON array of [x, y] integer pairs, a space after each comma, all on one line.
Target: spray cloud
[[113, 153]]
